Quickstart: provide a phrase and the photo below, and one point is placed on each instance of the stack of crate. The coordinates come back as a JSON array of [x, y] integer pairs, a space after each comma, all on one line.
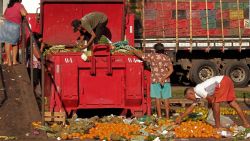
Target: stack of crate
[[160, 18]]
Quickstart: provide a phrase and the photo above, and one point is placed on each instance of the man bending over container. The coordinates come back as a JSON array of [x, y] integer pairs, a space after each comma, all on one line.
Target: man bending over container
[[94, 24], [216, 90], [161, 69]]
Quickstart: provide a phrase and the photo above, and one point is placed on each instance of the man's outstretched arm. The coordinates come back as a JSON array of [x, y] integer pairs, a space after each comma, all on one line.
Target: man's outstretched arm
[[187, 111]]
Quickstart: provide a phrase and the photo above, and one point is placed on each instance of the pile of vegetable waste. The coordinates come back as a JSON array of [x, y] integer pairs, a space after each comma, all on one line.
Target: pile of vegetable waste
[[146, 128], [202, 111], [117, 48]]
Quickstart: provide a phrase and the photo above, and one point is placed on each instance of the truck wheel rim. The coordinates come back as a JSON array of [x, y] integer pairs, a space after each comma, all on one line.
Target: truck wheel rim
[[205, 73], [238, 74]]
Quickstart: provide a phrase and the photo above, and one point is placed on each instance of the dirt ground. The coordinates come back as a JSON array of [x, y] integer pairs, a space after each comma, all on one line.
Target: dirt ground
[[18, 106]]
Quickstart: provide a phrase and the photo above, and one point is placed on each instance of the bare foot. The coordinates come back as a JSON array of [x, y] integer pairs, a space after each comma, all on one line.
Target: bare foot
[[15, 63], [9, 64]]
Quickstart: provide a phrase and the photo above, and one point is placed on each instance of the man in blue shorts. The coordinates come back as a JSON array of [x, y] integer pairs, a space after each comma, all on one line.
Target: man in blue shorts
[[161, 69]]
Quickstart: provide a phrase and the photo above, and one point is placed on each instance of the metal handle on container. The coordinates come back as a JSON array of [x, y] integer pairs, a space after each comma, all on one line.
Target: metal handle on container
[[101, 50]]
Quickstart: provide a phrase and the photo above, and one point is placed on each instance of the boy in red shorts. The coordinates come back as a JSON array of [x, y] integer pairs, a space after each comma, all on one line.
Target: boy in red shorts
[[216, 90]]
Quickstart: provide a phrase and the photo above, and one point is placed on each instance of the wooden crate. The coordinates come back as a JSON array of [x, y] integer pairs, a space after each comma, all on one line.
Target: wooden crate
[[55, 116]]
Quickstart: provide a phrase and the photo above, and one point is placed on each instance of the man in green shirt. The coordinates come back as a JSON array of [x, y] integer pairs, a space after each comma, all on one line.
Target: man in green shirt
[[93, 23]]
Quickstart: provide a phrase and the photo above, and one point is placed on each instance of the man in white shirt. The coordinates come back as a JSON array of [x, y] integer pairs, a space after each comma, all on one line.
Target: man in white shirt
[[216, 90]]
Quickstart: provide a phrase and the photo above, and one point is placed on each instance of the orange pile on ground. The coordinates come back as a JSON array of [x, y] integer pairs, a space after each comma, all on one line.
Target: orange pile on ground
[[107, 130], [195, 129]]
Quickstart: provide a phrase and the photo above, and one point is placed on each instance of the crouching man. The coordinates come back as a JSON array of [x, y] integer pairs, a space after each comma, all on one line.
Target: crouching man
[[216, 90]]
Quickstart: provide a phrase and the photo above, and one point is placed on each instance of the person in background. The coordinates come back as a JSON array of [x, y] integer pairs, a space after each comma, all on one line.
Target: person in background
[[94, 24], [161, 69], [216, 90], [10, 29], [36, 59]]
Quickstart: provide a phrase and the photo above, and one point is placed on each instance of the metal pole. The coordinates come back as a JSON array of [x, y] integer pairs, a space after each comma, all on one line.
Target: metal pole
[[176, 26], [239, 28], [207, 23], [222, 26], [42, 79], [190, 26], [31, 62], [23, 61], [143, 26], [163, 23]]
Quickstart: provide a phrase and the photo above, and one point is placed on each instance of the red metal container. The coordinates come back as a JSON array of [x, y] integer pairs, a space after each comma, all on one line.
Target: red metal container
[[56, 18], [104, 81]]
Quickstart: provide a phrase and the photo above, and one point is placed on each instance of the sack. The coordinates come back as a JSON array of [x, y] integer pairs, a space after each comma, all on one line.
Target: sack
[[224, 121]]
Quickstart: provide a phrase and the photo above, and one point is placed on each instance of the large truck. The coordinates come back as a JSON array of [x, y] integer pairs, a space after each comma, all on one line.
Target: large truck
[[205, 38]]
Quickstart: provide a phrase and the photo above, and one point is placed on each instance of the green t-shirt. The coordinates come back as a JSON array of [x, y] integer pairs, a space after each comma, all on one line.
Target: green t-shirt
[[91, 20]]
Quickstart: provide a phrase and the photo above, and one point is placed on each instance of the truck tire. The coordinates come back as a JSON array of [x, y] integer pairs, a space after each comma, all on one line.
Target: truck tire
[[238, 72], [202, 70]]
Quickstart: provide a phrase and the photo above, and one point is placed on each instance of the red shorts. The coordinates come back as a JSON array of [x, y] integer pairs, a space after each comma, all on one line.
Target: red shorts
[[225, 91]]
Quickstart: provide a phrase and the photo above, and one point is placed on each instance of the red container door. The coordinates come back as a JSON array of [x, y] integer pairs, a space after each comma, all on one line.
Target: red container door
[[101, 90], [134, 81]]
